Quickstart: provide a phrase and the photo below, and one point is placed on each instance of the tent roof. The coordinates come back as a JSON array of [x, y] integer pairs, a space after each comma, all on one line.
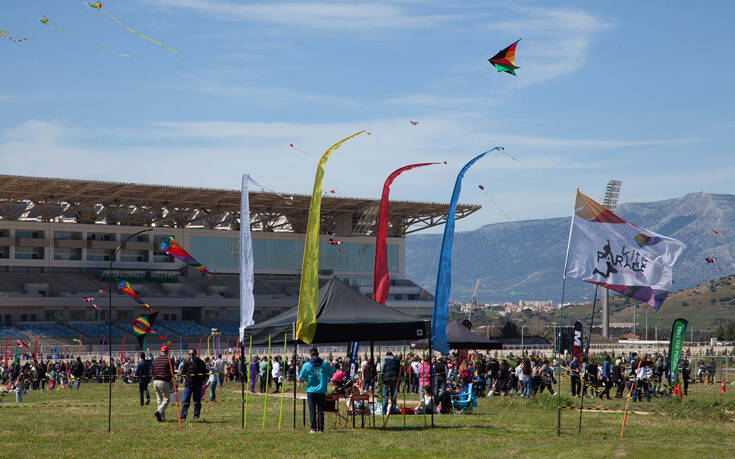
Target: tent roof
[[344, 315], [460, 337]]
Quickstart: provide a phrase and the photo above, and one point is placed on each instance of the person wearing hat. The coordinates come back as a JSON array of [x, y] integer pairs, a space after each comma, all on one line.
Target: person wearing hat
[[161, 370]]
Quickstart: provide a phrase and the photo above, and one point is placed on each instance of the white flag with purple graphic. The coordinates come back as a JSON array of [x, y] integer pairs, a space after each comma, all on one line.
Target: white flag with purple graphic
[[606, 250]]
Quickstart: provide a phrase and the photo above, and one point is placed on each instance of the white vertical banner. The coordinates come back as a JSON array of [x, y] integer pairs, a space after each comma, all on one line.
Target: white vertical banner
[[247, 270]]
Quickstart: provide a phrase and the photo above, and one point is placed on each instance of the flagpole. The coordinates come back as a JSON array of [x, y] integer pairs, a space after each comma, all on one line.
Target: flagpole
[[267, 379], [282, 367], [243, 372], [561, 323], [587, 356], [247, 371]]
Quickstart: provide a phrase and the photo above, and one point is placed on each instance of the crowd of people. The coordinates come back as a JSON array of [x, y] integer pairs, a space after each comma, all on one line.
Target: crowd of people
[[437, 380]]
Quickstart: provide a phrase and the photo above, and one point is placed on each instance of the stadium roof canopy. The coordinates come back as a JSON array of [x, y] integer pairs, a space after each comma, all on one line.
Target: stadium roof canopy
[[89, 201]]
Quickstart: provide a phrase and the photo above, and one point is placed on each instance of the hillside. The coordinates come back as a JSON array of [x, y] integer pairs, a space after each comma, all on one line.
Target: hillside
[[704, 306], [528, 256]]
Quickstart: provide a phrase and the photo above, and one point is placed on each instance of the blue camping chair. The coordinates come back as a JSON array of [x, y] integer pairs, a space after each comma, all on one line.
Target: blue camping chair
[[464, 402]]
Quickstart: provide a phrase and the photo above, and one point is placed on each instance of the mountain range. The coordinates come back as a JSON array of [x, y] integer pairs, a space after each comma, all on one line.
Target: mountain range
[[525, 259]]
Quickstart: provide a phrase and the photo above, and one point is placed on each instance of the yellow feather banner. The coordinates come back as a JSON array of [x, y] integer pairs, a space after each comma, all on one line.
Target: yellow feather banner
[[309, 291]]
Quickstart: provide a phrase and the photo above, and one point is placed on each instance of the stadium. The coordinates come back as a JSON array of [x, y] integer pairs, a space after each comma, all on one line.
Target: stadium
[[58, 236]]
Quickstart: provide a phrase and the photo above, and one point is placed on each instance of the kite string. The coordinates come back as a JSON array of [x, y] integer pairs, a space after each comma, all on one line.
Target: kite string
[[497, 205], [290, 198], [138, 34], [78, 37]]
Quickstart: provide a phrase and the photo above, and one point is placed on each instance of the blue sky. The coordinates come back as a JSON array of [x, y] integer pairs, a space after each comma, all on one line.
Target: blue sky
[[637, 91]]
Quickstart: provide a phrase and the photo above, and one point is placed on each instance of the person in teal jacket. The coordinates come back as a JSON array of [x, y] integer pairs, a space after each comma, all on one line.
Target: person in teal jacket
[[317, 373]]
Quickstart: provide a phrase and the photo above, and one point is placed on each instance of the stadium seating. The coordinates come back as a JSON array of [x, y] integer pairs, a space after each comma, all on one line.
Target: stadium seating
[[11, 332], [46, 330], [187, 328], [227, 328], [94, 329]]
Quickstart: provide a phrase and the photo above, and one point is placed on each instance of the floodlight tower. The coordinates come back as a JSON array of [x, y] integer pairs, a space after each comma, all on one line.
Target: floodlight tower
[[610, 201]]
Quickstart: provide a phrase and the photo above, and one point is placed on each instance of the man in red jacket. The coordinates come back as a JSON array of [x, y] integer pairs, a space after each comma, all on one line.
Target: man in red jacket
[[162, 381]]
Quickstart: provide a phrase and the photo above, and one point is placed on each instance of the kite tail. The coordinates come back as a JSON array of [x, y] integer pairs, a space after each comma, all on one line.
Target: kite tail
[[88, 41], [9, 37], [139, 34]]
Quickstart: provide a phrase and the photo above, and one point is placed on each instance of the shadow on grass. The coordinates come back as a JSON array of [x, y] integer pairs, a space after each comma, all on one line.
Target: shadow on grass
[[427, 428]]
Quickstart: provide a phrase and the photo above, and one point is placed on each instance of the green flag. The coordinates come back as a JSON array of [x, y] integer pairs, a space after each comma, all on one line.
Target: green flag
[[678, 331]]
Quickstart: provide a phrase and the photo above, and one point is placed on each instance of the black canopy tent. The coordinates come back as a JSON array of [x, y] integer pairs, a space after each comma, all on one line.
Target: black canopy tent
[[344, 315], [461, 337]]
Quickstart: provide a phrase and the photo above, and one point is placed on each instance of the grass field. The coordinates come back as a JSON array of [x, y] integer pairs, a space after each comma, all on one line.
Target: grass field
[[74, 424]]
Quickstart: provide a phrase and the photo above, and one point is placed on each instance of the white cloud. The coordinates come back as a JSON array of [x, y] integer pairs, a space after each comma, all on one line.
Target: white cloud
[[311, 15], [215, 153]]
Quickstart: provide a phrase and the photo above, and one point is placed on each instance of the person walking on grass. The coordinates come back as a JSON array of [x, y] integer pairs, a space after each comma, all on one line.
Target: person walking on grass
[[162, 381], [195, 375], [317, 373], [390, 370], [143, 373]]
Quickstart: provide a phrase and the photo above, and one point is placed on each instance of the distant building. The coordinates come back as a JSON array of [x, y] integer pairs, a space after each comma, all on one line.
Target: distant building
[[58, 238]]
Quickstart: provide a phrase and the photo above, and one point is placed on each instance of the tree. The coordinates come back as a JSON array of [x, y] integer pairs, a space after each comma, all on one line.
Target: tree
[[509, 330]]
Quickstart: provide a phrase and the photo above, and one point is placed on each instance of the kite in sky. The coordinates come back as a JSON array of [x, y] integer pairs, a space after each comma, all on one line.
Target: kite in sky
[[142, 327], [711, 260], [299, 150], [336, 243], [6, 34], [125, 288], [45, 21], [716, 232], [513, 292], [169, 246], [415, 123], [98, 7], [77, 340], [482, 188], [505, 60], [90, 300]]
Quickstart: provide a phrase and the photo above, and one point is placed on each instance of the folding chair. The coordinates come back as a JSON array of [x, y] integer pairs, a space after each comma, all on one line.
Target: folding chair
[[463, 403], [332, 400], [353, 407]]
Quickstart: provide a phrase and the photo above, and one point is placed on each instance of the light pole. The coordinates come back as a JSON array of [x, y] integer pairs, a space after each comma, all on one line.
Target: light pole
[[522, 347], [109, 323], [612, 192]]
